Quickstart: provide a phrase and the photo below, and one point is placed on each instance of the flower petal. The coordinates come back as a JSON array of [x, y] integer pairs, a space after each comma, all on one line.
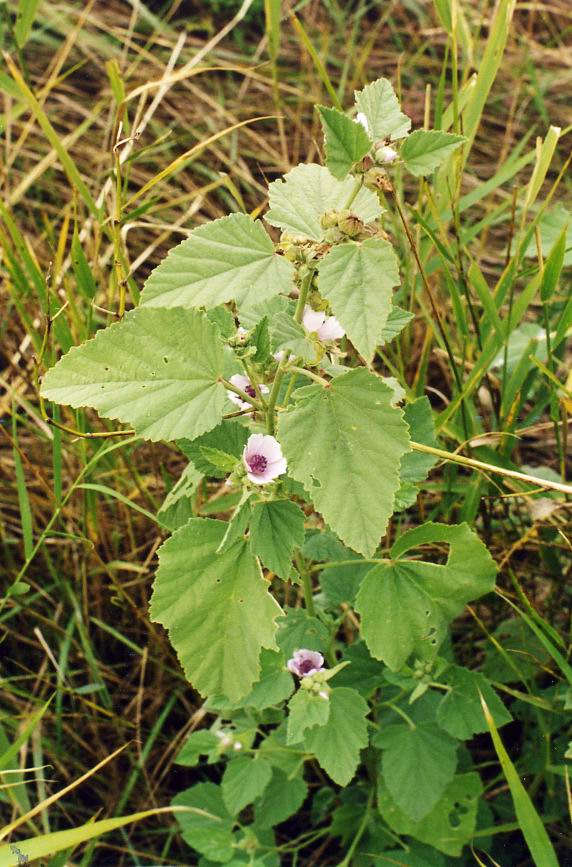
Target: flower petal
[[312, 320], [331, 329]]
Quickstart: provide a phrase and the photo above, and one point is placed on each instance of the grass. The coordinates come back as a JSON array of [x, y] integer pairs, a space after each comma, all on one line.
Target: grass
[[124, 127]]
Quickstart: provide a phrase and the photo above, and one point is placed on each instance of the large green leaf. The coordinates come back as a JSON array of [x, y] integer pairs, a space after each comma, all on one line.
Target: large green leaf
[[357, 279], [157, 370], [282, 798], [244, 780], [346, 141], [338, 743], [426, 149], [406, 605], [418, 760], [305, 710], [344, 444], [230, 259], [276, 528], [460, 711], [449, 825], [306, 192], [208, 828], [416, 465], [397, 320], [381, 108], [216, 607]]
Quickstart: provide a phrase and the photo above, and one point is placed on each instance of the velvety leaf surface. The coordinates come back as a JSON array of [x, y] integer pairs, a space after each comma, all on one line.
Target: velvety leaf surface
[[281, 799], [275, 684], [407, 605], [381, 107], [460, 711], [305, 710], [244, 780], [210, 830], [230, 259], [338, 743], [276, 528], [306, 192], [357, 279], [397, 320], [216, 608], [346, 141], [449, 825], [417, 763], [156, 370], [426, 149], [344, 444]]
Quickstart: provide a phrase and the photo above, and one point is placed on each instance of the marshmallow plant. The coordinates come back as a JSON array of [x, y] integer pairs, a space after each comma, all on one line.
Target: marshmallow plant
[[308, 634]]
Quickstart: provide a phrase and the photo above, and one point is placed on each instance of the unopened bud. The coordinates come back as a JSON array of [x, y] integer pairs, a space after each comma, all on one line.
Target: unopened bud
[[329, 219], [350, 224]]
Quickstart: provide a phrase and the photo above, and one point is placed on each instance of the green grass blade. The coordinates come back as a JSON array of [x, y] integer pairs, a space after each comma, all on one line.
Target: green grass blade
[[529, 821]]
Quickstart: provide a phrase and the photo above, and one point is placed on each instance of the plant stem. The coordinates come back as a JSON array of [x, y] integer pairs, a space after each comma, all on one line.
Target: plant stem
[[242, 394], [359, 833], [310, 375], [306, 583], [491, 468], [273, 396]]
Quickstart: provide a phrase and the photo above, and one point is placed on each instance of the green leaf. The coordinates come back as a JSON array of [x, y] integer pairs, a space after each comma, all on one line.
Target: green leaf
[[449, 825], [237, 526], [337, 744], [417, 763], [306, 192], [357, 279], [281, 799], [416, 465], [277, 527], [229, 437], [216, 608], [27, 10], [346, 141], [157, 370], [550, 226], [305, 710], [426, 149], [397, 320], [275, 685], [344, 444], [208, 829], [177, 507], [460, 711], [382, 110], [417, 855], [219, 459], [243, 781], [230, 259], [290, 337], [261, 339], [363, 673], [296, 629], [341, 583], [198, 744], [406, 605]]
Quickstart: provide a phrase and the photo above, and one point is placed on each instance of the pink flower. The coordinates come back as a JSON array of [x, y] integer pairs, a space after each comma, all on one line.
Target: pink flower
[[245, 384], [263, 459], [386, 154], [305, 663], [326, 327]]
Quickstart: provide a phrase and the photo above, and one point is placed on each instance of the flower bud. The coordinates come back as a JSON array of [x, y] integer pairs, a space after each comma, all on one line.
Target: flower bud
[[329, 220], [350, 224]]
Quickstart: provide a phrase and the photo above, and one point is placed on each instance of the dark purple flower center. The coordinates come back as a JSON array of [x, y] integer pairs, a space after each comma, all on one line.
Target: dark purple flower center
[[257, 463], [305, 666], [250, 390]]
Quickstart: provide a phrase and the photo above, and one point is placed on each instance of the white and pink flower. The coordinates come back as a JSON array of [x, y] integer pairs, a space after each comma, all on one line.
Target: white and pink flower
[[245, 385], [386, 154], [263, 459], [305, 662], [325, 327]]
